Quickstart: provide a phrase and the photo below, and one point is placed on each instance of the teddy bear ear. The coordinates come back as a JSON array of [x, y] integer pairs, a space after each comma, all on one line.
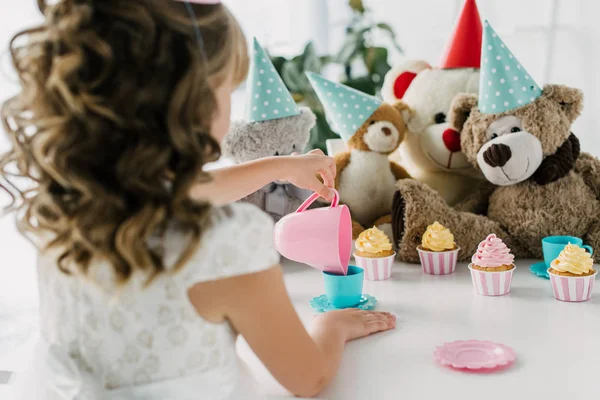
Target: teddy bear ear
[[569, 99], [399, 78], [461, 108], [405, 110]]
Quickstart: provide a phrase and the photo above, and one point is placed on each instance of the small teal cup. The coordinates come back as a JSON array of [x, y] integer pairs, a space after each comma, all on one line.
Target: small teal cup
[[553, 245], [344, 291]]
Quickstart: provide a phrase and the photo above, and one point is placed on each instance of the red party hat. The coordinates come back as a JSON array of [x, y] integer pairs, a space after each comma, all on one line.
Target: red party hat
[[464, 48]]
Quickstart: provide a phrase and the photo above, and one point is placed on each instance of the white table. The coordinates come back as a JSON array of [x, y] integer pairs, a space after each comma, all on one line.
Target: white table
[[557, 344]]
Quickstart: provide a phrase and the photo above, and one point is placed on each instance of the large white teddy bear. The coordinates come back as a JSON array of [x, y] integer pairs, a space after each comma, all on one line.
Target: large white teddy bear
[[431, 152]]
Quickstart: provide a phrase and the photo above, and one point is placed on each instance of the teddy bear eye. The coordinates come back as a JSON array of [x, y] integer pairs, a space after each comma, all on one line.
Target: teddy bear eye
[[440, 118], [276, 153], [515, 129], [494, 135], [371, 123], [293, 147]]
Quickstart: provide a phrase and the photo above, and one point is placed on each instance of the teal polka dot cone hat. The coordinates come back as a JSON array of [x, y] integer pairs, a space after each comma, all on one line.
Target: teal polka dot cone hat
[[268, 98], [347, 108], [503, 82]]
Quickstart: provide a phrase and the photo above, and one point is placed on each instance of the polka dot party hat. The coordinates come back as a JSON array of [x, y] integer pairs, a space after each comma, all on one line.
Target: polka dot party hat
[[268, 98], [503, 83], [347, 108]]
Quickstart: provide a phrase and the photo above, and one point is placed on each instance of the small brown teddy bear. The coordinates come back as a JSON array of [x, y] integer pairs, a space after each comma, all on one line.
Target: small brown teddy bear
[[542, 184], [366, 178]]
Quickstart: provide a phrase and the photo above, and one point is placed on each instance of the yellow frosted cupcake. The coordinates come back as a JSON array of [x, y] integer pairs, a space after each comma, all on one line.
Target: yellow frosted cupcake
[[437, 238], [373, 243], [573, 261], [374, 254], [572, 274], [438, 251]]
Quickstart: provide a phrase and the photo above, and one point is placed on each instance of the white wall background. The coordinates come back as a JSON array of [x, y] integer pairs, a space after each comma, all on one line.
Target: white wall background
[[557, 40]]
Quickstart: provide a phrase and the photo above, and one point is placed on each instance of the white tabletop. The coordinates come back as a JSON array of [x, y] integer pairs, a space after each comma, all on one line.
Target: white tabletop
[[557, 344]]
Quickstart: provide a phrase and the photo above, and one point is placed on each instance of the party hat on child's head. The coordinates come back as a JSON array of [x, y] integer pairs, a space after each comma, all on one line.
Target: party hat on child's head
[[464, 48], [268, 98], [503, 83], [346, 108]]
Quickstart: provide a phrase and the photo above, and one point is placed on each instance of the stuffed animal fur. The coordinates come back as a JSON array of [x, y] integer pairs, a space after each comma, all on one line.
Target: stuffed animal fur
[[365, 176], [541, 184], [431, 152], [248, 141]]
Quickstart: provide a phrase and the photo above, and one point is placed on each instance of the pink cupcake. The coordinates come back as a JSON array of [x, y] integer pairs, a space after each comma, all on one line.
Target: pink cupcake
[[492, 267]]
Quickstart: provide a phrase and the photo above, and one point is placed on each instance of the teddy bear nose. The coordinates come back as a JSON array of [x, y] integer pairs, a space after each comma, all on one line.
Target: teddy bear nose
[[386, 131], [497, 155], [451, 139]]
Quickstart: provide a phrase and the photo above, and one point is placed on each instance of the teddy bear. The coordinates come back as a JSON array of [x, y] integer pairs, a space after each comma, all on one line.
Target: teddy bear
[[520, 137], [431, 151], [372, 130], [274, 126]]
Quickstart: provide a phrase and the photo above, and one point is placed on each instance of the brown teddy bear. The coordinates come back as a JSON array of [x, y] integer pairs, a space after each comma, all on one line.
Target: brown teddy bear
[[542, 184], [366, 178]]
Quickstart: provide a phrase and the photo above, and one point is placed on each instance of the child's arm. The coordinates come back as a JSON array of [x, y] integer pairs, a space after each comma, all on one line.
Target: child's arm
[[259, 308], [233, 183]]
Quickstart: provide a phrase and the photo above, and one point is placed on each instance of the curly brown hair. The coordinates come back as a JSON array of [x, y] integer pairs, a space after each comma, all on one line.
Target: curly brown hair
[[115, 93]]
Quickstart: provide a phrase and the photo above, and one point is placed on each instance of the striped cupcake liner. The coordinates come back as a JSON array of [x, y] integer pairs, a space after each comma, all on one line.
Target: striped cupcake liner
[[376, 269], [491, 283], [438, 263], [572, 288]]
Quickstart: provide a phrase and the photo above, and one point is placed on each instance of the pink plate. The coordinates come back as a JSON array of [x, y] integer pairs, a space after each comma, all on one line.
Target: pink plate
[[474, 354]]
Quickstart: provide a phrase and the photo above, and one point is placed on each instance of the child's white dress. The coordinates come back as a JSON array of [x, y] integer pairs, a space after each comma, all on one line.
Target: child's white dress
[[99, 342]]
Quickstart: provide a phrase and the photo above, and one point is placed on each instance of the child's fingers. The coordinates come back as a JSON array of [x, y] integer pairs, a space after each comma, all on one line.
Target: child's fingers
[[324, 191], [316, 152], [328, 177], [377, 322]]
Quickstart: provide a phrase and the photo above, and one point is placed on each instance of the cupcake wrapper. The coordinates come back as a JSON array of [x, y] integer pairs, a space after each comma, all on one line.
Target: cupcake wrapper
[[376, 269], [491, 283], [438, 263], [572, 288]]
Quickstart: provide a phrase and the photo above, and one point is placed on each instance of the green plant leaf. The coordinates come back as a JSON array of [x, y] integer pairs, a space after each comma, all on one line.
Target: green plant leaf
[[292, 77], [357, 5], [326, 60], [364, 83], [387, 28], [278, 63], [320, 133], [310, 59], [376, 61]]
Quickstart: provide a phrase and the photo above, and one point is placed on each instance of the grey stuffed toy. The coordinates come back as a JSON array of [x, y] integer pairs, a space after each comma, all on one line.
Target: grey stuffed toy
[[248, 141]]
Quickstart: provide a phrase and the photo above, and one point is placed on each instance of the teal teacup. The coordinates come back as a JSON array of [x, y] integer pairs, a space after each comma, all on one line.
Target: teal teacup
[[344, 291], [553, 245]]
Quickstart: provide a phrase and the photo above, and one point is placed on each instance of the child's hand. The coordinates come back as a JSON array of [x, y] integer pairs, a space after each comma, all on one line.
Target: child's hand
[[353, 323], [302, 171]]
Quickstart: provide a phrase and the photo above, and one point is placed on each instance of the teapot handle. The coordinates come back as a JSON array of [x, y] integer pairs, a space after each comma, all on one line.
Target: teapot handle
[[313, 197]]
